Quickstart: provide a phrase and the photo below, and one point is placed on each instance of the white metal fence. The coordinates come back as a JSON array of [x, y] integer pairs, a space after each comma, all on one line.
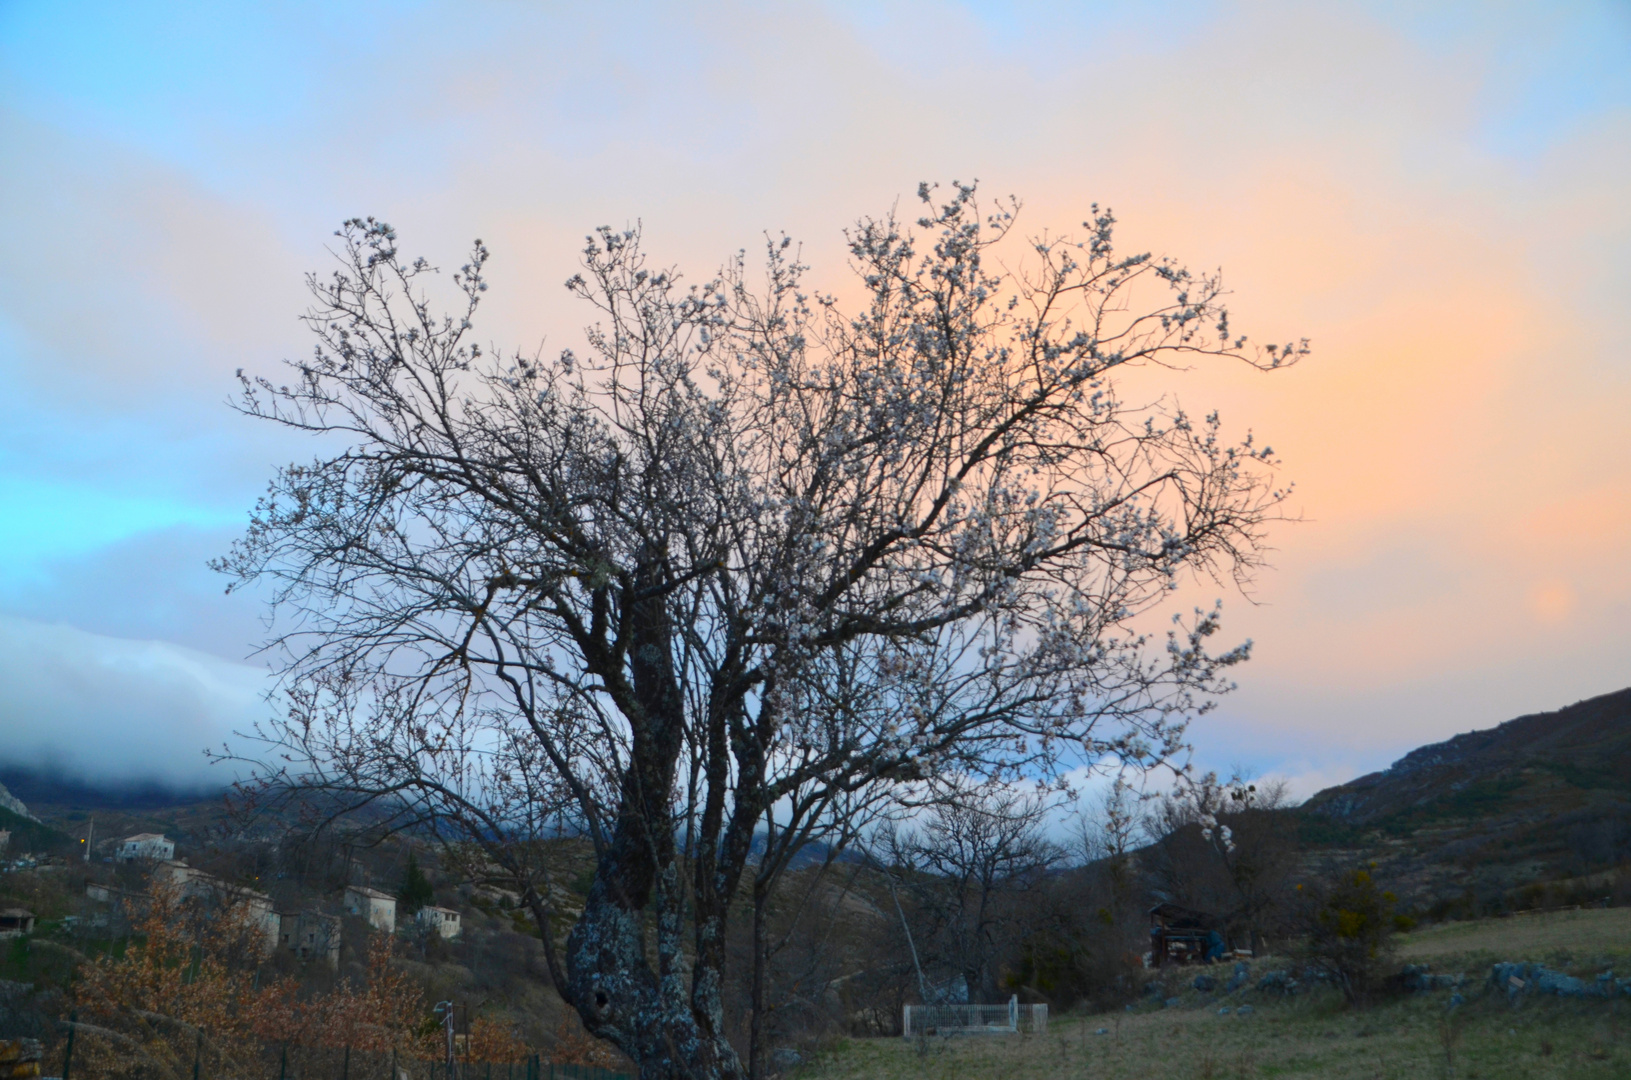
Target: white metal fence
[[1006, 1019]]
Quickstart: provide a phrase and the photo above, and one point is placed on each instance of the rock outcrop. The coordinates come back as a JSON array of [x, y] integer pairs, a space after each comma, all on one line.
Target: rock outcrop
[[14, 804]]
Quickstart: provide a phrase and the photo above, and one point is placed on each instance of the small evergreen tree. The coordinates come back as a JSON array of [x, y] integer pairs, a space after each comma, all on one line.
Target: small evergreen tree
[[1350, 927], [415, 891]]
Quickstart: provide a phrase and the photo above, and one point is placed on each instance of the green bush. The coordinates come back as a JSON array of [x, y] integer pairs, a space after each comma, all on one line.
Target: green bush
[[1349, 929]]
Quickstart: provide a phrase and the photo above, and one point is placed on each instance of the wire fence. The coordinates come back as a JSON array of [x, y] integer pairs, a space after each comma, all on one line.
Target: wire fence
[[294, 1062], [308, 1063], [1011, 1018]]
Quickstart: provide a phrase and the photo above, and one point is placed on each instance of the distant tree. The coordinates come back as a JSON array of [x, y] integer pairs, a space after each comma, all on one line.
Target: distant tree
[[1260, 854], [786, 836], [1224, 847], [971, 856], [1348, 928], [1107, 833], [415, 891], [750, 550]]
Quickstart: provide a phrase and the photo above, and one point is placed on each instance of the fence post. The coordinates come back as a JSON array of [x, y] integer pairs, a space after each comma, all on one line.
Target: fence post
[[345, 1065], [68, 1054], [282, 1065], [198, 1053]]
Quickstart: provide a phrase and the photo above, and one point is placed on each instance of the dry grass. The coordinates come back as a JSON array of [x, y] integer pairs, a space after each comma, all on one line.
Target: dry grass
[[1309, 1038], [1316, 1036], [1594, 932]]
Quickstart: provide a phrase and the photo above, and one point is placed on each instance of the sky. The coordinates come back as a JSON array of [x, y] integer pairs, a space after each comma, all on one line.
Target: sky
[[1433, 194]]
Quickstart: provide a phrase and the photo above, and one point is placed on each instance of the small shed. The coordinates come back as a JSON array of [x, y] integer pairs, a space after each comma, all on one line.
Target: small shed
[[15, 921], [1180, 935]]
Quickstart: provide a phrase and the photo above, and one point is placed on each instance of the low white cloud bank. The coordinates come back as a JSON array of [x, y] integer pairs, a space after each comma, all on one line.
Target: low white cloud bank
[[117, 711]]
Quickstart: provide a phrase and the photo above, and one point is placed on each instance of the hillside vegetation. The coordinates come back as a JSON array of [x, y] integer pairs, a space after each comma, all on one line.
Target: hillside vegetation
[[1533, 812], [1529, 816]]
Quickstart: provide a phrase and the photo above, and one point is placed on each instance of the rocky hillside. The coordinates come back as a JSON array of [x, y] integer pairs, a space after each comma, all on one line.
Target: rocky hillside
[[1540, 798], [1565, 756], [10, 802]]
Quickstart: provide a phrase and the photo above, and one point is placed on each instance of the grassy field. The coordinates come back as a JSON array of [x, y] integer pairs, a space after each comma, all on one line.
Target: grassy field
[[1314, 1038], [1316, 1035], [1579, 935]]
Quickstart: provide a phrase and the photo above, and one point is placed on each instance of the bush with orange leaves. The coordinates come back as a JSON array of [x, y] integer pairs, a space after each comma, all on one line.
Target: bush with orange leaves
[[575, 1046], [189, 987], [142, 1012], [387, 1013], [490, 1042]]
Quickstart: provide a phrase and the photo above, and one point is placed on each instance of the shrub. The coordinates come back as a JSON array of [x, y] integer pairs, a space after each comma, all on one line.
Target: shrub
[[1349, 930]]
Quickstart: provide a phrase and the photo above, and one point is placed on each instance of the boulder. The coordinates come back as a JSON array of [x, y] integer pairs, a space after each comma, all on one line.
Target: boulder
[[1555, 982], [1519, 978], [1277, 982], [1415, 978], [1205, 984], [1511, 978]]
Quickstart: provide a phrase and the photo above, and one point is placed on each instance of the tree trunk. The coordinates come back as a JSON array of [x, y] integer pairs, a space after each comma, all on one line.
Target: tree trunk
[[644, 1013], [621, 999], [758, 1053]]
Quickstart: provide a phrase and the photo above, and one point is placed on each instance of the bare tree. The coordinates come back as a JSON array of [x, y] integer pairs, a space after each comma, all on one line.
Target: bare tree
[[788, 832], [1225, 847], [1107, 833], [748, 551], [973, 854]]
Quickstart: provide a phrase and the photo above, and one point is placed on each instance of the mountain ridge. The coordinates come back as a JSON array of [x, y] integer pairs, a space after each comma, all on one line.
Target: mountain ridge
[[1589, 741], [1493, 819]]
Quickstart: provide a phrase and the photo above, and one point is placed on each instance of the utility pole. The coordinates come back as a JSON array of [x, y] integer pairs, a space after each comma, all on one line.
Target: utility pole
[[445, 1009], [90, 833], [922, 984]]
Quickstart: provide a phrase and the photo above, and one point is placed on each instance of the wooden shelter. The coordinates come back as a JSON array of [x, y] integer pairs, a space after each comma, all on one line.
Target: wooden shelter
[[15, 921], [1180, 935]]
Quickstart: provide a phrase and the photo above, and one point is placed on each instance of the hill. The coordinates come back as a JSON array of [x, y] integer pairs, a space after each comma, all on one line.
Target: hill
[[1585, 748], [30, 835], [48, 791], [1541, 798]]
